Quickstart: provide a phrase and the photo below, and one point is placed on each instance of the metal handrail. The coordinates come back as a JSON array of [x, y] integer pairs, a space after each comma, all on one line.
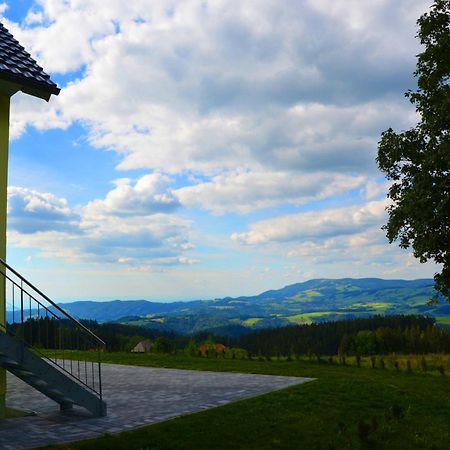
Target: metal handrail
[[64, 321], [49, 300], [43, 355]]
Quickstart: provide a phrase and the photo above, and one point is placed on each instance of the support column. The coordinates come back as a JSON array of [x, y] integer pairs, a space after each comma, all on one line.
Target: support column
[[4, 142]]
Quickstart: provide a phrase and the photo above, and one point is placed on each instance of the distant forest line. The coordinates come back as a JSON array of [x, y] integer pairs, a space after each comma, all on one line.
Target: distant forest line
[[363, 336]]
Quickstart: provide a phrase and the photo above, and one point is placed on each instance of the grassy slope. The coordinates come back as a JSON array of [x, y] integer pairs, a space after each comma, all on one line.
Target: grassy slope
[[401, 408]]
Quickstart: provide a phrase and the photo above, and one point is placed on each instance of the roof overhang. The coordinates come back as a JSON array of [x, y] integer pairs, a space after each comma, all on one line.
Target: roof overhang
[[10, 84]]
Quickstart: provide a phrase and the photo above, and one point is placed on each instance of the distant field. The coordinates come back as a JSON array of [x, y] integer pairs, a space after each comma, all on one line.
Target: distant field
[[346, 407], [252, 321], [445, 320], [299, 319]]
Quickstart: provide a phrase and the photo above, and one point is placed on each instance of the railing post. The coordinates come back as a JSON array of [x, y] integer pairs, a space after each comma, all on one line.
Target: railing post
[[21, 304], [100, 373]]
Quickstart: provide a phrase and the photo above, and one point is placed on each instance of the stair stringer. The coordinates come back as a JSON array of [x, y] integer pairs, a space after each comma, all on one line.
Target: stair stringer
[[46, 378]]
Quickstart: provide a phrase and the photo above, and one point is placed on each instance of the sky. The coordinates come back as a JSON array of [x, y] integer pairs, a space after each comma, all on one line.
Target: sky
[[200, 149]]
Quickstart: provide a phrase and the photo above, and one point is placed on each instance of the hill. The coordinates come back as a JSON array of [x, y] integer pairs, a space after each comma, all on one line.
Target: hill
[[315, 300]]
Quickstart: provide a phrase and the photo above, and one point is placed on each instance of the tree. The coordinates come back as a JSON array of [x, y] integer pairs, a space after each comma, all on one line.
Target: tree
[[162, 345], [132, 341], [417, 161], [365, 342], [346, 345], [192, 348]]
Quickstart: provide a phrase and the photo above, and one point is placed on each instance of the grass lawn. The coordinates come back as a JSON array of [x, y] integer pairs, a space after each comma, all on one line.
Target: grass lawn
[[346, 407], [14, 413]]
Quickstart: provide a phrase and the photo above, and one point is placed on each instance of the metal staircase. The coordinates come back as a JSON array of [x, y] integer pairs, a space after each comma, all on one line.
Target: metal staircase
[[41, 345]]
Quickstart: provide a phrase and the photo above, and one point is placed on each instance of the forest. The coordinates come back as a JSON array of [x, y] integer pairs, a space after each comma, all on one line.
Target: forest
[[362, 336]]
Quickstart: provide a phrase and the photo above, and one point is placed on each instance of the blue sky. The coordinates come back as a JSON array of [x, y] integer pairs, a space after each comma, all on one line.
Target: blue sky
[[206, 148]]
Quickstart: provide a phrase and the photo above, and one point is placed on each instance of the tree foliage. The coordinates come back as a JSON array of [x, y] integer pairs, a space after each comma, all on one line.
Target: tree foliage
[[364, 336], [417, 161], [162, 345]]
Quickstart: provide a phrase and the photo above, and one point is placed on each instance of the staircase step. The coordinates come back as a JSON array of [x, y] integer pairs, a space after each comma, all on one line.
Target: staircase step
[[39, 383], [7, 362], [24, 373], [54, 392], [44, 376]]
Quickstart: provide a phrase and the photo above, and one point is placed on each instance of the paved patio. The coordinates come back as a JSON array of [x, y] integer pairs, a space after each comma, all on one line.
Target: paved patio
[[135, 396]]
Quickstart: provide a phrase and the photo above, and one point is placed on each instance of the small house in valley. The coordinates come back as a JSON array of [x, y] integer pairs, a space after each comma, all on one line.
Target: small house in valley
[[144, 346]]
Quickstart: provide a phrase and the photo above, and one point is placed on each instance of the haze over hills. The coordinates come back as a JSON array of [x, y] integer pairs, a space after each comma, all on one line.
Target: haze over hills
[[315, 300], [312, 301]]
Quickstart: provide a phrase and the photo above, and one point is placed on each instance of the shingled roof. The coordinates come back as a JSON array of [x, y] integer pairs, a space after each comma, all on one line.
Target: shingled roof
[[19, 68]]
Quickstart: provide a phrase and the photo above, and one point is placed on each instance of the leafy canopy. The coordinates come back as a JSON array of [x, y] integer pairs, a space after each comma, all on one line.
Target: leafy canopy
[[417, 161]]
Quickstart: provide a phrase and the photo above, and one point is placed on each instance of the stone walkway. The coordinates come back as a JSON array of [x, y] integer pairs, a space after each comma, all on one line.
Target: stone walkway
[[135, 396]]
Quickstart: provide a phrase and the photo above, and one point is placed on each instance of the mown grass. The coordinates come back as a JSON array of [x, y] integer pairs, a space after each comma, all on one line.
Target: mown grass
[[14, 413], [429, 363], [345, 407]]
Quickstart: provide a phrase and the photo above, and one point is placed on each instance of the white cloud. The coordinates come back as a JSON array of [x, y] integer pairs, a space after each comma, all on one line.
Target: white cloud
[[27, 110], [374, 189], [315, 224], [246, 191], [263, 101], [98, 233], [31, 212], [146, 240], [258, 105], [150, 194], [334, 242], [209, 87]]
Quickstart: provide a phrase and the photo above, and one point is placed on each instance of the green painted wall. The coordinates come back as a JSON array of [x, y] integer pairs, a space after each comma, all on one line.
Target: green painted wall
[[4, 140]]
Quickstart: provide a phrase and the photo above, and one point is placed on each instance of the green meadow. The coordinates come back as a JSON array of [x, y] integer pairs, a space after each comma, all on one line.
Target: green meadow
[[346, 407]]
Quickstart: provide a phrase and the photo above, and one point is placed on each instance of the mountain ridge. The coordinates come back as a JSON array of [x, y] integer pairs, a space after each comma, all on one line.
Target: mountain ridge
[[311, 301], [315, 300]]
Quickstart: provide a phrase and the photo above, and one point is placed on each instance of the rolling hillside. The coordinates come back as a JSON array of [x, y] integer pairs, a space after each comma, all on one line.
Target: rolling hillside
[[312, 301]]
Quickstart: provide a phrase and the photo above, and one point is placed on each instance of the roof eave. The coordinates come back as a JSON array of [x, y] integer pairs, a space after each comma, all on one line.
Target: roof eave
[[40, 93], [12, 84]]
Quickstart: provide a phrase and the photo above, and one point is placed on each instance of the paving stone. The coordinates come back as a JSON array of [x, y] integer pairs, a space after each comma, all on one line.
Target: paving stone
[[135, 396]]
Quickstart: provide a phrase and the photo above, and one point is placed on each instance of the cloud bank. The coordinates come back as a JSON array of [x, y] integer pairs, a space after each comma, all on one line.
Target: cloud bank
[[260, 117]]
